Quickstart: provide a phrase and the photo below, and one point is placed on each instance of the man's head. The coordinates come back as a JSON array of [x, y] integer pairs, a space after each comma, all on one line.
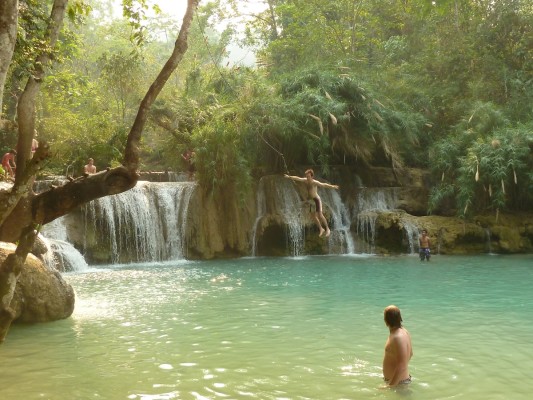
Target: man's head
[[90, 160], [13, 151], [424, 232], [310, 172], [392, 317]]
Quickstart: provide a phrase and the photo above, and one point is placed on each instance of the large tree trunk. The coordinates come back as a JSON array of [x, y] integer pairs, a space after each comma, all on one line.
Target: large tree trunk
[[8, 38], [9, 273], [26, 105], [34, 210], [22, 188]]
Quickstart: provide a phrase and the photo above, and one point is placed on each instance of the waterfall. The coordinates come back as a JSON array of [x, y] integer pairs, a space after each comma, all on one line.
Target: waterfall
[[376, 200], [366, 230], [289, 204], [146, 223], [412, 234], [341, 236], [61, 254], [261, 212], [278, 197], [369, 203], [488, 241]]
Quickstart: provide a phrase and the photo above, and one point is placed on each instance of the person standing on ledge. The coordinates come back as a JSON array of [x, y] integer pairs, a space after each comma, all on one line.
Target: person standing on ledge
[[189, 157], [90, 168], [8, 163], [424, 246], [312, 192], [398, 349]]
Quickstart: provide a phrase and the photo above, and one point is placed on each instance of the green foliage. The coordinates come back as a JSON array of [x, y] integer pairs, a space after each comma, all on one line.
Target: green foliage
[[486, 172], [344, 116], [221, 162], [446, 85]]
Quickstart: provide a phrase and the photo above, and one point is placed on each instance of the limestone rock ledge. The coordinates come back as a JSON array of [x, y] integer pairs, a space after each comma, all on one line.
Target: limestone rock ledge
[[507, 234], [41, 294]]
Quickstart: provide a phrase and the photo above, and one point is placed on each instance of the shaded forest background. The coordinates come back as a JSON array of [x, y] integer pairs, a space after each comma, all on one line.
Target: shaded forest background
[[445, 86]]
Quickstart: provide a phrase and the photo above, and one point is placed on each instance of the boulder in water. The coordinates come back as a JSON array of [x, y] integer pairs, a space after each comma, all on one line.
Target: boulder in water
[[41, 294]]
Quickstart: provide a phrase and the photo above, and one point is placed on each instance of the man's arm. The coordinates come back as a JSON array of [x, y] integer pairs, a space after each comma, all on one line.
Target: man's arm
[[295, 178], [325, 185]]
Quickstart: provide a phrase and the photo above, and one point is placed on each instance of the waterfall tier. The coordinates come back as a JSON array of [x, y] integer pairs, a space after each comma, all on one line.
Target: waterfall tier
[[146, 223]]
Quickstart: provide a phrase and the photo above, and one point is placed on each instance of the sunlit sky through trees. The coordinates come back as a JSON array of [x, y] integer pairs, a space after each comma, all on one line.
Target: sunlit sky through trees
[[176, 8]]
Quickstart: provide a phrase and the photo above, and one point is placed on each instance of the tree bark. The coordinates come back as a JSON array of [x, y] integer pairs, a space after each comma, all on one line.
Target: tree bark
[[23, 186], [26, 105], [8, 38], [131, 154], [9, 273]]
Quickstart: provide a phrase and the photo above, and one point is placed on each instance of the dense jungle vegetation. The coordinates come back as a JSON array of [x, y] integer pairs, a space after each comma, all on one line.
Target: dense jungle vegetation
[[443, 85]]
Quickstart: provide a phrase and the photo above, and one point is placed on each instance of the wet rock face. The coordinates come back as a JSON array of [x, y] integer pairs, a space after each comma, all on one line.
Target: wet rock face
[[41, 294]]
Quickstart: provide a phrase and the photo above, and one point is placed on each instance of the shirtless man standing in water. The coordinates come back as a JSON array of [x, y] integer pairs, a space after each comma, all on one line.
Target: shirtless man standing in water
[[398, 350], [424, 242], [312, 192]]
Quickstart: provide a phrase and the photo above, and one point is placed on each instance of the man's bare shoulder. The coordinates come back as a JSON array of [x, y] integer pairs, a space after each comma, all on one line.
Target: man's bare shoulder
[[400, 335]]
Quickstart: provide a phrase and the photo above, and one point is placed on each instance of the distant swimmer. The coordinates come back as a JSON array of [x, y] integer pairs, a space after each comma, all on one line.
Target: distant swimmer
[[398, 349], [312, 192], [425, 253]]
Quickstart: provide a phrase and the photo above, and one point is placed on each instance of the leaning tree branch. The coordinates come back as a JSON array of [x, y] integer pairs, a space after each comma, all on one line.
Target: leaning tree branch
[[131, 154], [61, 200], [23, 185]]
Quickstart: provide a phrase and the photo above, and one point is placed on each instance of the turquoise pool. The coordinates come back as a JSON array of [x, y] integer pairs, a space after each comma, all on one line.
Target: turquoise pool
[[289, 328]]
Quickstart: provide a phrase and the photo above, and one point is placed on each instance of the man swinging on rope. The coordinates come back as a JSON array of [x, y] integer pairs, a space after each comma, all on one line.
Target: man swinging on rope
[[312, 192]]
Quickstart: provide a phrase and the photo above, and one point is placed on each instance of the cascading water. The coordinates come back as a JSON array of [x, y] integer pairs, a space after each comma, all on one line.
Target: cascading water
[[341, 236], [412, 233], [146, 223], [289, 204], [488, 242], [278, 196], [261, 212], [369, 203], [61, 254]]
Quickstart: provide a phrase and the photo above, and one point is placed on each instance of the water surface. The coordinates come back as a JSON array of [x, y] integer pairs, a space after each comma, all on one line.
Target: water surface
[[290, 328]]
